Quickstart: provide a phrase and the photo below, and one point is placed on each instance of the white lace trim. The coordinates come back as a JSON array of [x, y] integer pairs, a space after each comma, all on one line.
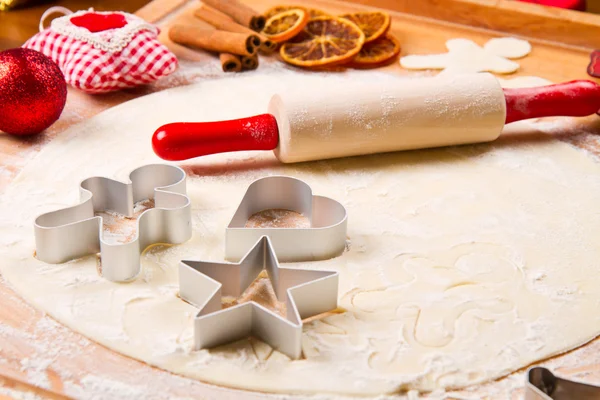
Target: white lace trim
[[112, 40]]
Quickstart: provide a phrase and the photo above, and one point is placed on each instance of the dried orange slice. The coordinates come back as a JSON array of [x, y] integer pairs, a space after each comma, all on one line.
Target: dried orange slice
[[285, 25], [377, 53], [278, 10], [312, 12], [374, 24], [324, 41]]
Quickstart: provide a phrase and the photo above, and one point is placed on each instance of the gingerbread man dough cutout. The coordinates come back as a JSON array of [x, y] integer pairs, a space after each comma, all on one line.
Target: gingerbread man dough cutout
[[467, 56]]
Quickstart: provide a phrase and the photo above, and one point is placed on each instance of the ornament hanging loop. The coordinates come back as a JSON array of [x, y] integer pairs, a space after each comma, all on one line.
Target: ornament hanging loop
[[53, 10]]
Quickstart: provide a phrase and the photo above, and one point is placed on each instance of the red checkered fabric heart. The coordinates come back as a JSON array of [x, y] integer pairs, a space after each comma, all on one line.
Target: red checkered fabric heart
[[99, 54]]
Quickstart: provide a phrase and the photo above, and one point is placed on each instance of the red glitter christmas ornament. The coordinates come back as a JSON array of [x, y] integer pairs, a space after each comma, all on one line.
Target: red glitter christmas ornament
[[33, 92]]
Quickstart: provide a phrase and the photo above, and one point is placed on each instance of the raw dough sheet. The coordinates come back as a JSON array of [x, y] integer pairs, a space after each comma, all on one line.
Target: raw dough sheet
[[464, 264]]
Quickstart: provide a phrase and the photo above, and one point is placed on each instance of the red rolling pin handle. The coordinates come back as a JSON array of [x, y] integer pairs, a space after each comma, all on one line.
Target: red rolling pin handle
[[573, 99], [181, 141], [184, 140]]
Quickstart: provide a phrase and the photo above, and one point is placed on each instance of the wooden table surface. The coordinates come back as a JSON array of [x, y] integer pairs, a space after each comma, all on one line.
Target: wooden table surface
[[83, 358]]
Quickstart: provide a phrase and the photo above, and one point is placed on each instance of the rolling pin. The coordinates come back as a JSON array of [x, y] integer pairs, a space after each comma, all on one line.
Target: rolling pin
[[357, 120]]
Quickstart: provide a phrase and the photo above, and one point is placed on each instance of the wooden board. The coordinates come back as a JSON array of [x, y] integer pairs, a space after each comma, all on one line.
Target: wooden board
[[523, 19], [40, 352]]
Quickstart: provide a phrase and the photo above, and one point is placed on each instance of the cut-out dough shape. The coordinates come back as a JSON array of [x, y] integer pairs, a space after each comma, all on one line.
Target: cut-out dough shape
[[467, 56], [508, 47]]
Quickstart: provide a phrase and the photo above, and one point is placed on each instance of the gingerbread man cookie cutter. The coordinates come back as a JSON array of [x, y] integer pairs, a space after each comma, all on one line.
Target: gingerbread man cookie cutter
[[542, 384], [326, 237], [306, 293], [76, 231]]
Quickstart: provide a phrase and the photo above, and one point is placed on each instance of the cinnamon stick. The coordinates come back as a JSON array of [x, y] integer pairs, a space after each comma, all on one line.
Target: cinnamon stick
[[267, 45], [230, 62], [214, 40], [239, 12], [249, 63], [225, 23]]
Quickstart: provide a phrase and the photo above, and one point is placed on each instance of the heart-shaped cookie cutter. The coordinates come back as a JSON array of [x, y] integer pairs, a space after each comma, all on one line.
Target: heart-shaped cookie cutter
[[74, 232], [326, 237], [306, 293], [542, 384]]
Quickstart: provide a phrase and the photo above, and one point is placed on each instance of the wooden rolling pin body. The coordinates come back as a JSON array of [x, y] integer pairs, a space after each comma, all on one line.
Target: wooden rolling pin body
[[357, 120], [411, 114]]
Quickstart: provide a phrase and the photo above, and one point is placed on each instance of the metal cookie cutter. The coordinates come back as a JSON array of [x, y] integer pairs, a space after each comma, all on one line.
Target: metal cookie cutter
[[75, 232], [326, 238], [541, 384], [306, 293]]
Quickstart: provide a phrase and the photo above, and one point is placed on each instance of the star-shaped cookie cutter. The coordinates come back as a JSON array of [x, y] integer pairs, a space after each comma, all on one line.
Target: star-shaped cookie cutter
[[326, 237], [74, 232], [306, 294], [542, 384]]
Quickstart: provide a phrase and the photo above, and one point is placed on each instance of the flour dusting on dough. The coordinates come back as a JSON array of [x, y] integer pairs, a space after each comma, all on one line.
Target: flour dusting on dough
[[260, 291], [118, 228], [278, 218]]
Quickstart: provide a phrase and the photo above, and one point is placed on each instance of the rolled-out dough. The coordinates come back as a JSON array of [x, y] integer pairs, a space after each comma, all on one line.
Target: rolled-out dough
[[464, 263]]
